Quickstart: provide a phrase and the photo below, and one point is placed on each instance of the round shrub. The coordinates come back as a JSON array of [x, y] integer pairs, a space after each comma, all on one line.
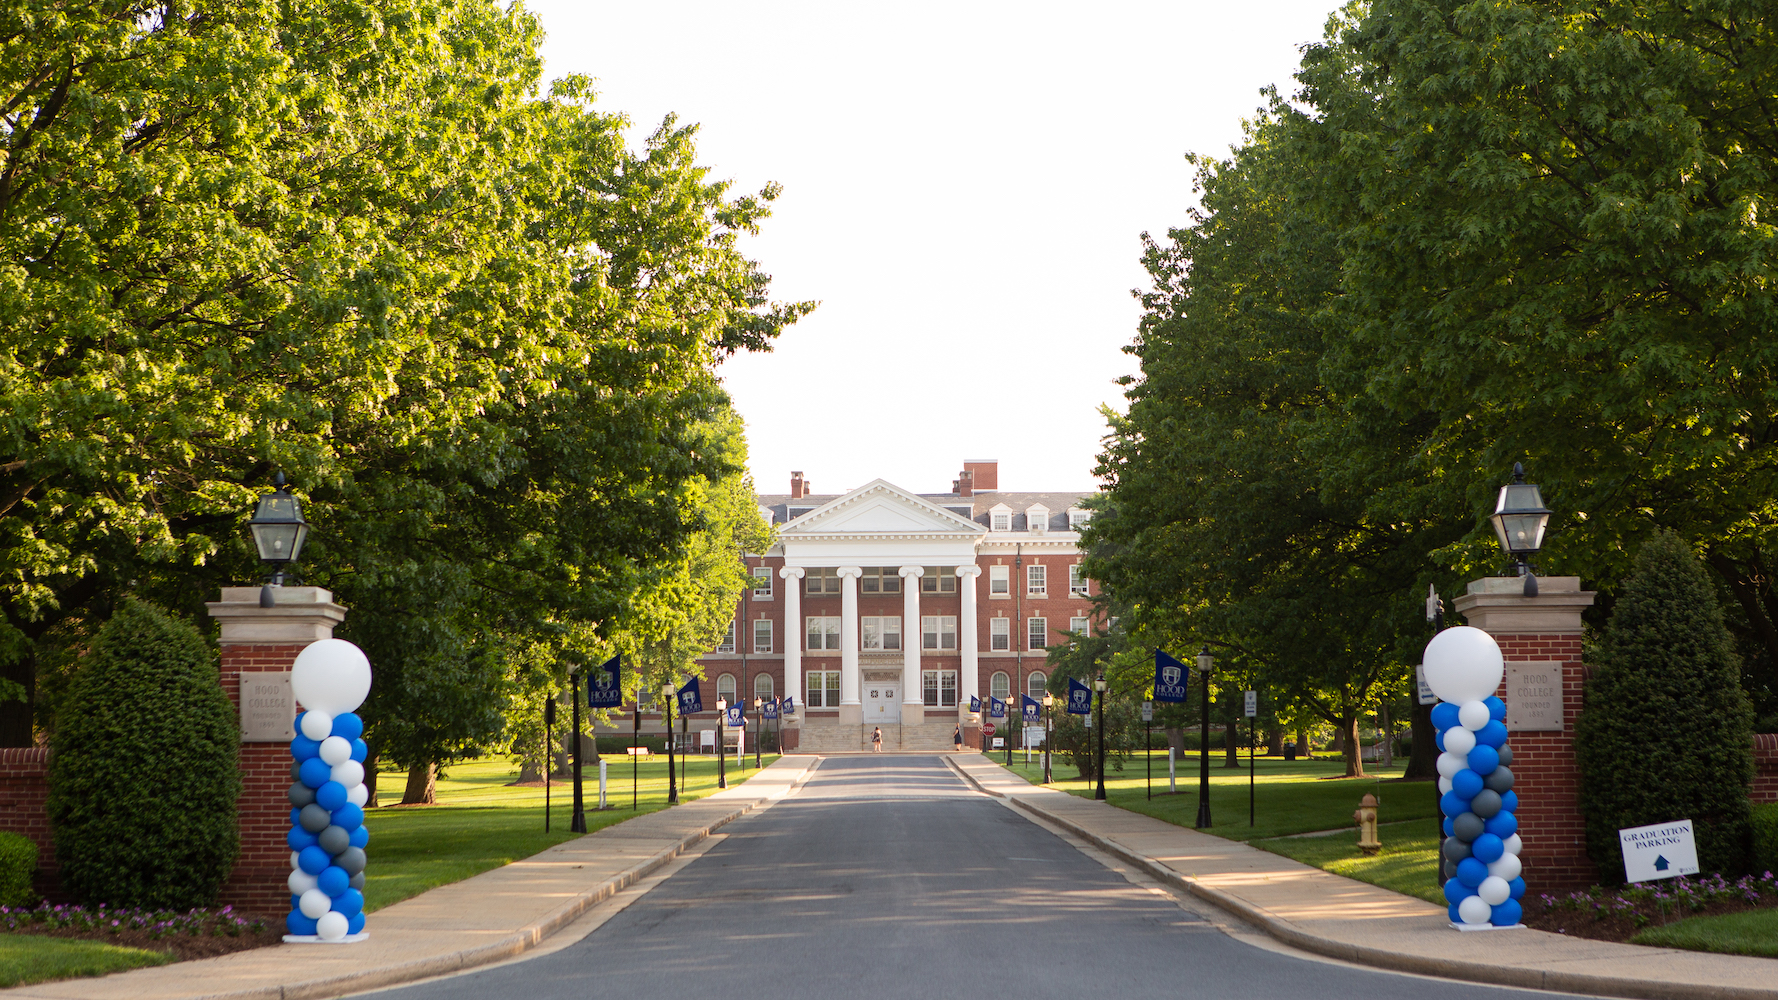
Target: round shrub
[[143, 773], [18, 866]]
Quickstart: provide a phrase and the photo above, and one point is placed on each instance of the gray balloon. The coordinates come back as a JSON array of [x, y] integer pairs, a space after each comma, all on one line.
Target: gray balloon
[[1455, 850], [1499, 780], [296, 771], [1486, 803], [314, 819], [356, 882], [301, 795], [351, 859], [1467, 827], [335, 839], [1506, 754], [1450, 870]]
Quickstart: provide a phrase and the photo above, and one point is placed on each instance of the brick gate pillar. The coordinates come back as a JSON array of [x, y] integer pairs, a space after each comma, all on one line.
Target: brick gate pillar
[[1541, 640], [258, 647]]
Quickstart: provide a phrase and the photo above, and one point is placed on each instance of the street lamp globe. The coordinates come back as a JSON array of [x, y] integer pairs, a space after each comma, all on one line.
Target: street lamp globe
[[1049, 701], [1520, 519], [1206, 662], [1099, 684], [278, 527]]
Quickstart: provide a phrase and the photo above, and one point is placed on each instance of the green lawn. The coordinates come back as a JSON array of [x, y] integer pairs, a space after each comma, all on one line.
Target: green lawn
[[34, 958], [1751, 932], [1407, 863], [479, 823]]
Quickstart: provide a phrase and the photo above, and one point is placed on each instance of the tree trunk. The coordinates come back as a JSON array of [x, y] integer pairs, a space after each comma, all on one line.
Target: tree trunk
[[422, 786], [1232, 744], [1423, 759], [1354, 749], [1303, 749], [1387, 732], [370, 777], [1176, 740], [1275, 741], [530, 770]]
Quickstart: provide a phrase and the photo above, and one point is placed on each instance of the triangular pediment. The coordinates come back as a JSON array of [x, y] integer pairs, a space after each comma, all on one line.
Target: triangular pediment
[[883, 509]]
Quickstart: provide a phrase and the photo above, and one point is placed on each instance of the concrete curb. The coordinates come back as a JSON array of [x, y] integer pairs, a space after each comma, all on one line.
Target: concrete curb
[[1457, 969]]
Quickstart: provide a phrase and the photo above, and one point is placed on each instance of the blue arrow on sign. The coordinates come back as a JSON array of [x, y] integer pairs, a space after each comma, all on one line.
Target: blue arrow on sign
[[1660, 863]]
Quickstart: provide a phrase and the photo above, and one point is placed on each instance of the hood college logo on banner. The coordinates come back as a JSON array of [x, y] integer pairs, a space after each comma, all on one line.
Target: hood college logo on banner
[[1080, 698], [769, 709], [996, 708], [736, 717], [1169, 678], [975, 704], [1033, 708], [690, 701], [602, 688]]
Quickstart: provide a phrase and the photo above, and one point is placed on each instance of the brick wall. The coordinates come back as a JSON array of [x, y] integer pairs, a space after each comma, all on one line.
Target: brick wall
[[1545, 776], [1765, 763], [24, 795], [258, 882]]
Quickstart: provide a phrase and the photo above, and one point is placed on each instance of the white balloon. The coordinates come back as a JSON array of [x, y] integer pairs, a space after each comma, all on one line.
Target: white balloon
[[317, 724], [1494, 890], [1450, 763], [1474, 715], [332, 676], [336, 750], [1474, 909], [1513, 844], [332, 926], [349, 773], [314, 903], [1444, 784], [301, 882], [358, 794], [1459, 741], [1462, 664], [1508, 867], [295, 860]]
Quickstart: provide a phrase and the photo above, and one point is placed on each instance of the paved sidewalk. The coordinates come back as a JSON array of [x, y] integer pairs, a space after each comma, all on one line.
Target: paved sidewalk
[[1330, 915], [492, 916]]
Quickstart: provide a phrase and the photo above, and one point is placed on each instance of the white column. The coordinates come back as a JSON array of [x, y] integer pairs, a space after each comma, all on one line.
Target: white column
[[851, 706], [967, 640], [913, 708], [793, 634]]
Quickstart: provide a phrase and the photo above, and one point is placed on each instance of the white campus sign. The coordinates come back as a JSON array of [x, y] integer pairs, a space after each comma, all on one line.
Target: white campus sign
[[1659, 851]]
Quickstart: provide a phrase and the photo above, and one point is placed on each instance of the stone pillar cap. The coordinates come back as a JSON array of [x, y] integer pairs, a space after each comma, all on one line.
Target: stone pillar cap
[[1498, 605], [302, 615]]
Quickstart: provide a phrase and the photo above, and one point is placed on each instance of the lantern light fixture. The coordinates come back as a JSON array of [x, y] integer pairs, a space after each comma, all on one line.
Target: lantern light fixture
[[1520, 520], [279, 531]]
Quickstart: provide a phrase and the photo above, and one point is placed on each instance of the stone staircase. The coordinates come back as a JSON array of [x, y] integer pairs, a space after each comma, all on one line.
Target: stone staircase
[[926, 737]]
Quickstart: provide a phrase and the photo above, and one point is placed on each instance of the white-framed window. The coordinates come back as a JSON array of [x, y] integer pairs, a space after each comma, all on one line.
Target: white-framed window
[[1077, 519], [938, 632], [999, 581], [1035, 683], [1037, 519], [727, 645], [725, 688], [938, 688], [1080, 625], [1000, 633], [823, 633], [1000, 520], [762, 686], [1037, 633], [1000, 685], [824, 689], [1037, 581], [762, 635], [939, 580], [1077, 584], [880, 633], [821, 580], [880, 580], [762, 583]]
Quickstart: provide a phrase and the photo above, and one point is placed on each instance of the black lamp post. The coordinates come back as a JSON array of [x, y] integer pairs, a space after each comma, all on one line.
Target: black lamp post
[[577, 820], [1099, 686], [1206, 663], [1049, 730], [278, 533], [758, 710], [668, 696], [721, 747], [1519, 521]]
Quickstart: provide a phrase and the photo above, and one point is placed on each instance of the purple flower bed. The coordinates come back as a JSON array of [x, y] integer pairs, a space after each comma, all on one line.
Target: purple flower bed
[[1617, 914], [104, 919]]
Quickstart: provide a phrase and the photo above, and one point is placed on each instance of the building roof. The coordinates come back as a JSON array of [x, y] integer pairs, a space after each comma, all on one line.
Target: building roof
[[979, 504]]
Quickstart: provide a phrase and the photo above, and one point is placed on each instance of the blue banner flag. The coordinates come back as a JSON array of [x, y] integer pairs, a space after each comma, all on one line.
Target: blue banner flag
[[602, 690], [1033, 709], [996, 708], [690, 701], [737, 717], [1080, 698], [769, 710], [788, 707], [975, 704], [1170, 678]]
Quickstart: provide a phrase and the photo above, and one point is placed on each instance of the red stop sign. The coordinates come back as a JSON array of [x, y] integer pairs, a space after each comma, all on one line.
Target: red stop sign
[[988, 729]]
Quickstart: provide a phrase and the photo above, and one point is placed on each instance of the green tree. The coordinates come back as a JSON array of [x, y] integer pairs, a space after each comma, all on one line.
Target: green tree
[[1667, 733], [143, 778]]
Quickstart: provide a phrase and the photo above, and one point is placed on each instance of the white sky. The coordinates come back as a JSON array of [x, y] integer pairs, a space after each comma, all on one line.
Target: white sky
[[964, 188]]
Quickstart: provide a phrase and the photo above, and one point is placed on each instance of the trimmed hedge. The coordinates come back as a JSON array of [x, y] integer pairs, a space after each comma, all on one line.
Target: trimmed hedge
[[18, 866], [143, 778], [1765, 838]]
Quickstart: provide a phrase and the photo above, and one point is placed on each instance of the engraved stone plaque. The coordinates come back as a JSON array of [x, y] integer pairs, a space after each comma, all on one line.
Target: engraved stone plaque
[[268, 709], [1534, 697]]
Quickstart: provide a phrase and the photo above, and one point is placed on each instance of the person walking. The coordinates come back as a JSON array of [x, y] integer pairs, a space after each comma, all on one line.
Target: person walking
[[957, 738], [876, 740]]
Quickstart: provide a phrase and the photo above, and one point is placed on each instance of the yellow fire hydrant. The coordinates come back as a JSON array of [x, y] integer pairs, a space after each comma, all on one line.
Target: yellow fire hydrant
[[1366, 815]]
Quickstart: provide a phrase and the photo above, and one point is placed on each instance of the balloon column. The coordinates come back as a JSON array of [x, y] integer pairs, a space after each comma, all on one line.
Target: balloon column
[[1463, 666], [327, 835]]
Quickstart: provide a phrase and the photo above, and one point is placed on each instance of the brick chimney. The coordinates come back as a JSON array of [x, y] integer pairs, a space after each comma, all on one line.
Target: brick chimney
[[964, 485], [984, 473], [797, 489]]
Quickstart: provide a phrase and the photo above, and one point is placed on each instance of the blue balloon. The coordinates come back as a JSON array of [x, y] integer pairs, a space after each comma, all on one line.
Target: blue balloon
[[1456, 914], [1456, 892], [1483, 759], [1502, 824], [296, 816], [1444, 716], [333, 880], [1452, 804], [349, 902], [348, 817], [1487, 848], [1438, 740], [1450, 829], [1491, 735], [360, 837], [347, 725], [1496, 707], [295, 901], [316, 773], [356, 924], [299, 838], [296, 923], [331, 795], [302, 748], [313, 860], [1506, 914], [1518, 888], [1465, 784], [360, 751], [1471, 872], [1509, 802]]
